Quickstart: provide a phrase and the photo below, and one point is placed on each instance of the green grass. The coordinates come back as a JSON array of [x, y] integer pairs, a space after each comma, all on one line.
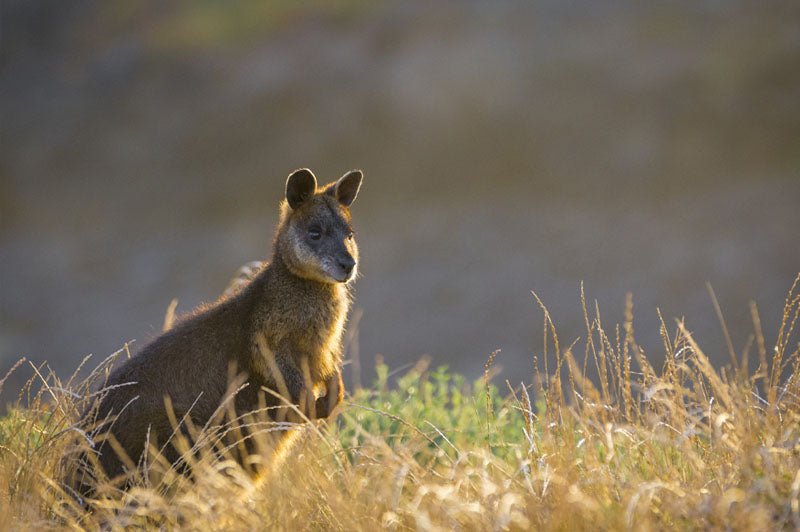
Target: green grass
[[684, 446]]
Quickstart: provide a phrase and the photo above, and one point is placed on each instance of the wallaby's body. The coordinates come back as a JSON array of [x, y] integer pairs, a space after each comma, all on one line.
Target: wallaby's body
[[282, 331]]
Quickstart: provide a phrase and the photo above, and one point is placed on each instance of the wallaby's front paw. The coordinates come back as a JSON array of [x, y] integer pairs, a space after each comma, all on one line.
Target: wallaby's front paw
[[327, 403]]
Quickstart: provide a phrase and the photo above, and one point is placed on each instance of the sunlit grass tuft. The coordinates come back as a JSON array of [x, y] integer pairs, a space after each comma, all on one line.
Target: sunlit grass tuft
[[638, 447]]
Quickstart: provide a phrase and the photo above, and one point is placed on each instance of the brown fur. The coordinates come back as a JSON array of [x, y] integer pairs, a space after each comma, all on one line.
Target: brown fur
[[289, 319]]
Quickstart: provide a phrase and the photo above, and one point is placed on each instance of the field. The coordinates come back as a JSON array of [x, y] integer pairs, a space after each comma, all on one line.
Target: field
[[682, 446]]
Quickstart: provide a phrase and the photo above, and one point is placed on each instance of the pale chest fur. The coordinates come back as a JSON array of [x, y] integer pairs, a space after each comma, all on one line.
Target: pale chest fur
[[309, 324]]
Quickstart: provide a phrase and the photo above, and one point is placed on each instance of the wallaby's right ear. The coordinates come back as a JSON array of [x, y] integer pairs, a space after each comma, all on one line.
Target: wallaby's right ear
[[300, 186], [347, 187]]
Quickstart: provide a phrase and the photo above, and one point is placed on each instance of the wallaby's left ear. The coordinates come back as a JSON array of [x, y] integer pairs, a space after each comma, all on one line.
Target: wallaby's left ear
[[347, 187], [300, 186]]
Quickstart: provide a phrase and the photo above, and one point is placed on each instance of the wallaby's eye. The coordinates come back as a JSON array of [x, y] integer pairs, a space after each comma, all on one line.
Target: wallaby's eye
[[315, 233], [350, 235]]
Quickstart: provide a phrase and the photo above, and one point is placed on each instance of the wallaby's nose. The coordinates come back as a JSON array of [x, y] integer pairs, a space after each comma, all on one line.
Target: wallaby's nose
[[346, 264]]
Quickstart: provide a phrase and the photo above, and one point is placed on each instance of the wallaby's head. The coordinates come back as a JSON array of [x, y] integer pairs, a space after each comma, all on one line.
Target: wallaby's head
[[315, 237]]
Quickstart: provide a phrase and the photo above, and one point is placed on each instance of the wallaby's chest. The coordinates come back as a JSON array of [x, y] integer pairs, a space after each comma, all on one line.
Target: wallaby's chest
[[307, 323]]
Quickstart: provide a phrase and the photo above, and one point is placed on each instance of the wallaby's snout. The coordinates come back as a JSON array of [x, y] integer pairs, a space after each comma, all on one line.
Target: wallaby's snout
[[347, 265]]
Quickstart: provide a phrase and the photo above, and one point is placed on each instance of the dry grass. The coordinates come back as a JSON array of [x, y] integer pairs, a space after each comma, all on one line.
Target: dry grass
[[686, 446]]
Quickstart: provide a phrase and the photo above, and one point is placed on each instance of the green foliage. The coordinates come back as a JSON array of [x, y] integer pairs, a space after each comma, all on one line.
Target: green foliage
[[23, 429], [439, 407]]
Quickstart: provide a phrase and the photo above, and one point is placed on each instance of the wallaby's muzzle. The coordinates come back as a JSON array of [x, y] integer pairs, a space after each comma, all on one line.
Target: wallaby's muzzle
[[346, 266]]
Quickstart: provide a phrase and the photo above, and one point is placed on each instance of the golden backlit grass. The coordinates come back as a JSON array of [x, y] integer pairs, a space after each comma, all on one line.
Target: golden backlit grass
[[682, 446]]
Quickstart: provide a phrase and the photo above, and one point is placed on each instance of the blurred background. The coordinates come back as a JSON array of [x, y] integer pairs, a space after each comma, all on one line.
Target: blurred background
[[507, 147]]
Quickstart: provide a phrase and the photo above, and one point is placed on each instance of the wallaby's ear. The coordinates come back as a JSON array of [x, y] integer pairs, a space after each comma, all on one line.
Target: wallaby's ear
[[300, 186], [347, 187]]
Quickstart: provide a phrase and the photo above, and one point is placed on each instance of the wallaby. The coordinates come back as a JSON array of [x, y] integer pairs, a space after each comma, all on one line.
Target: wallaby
[[282, 331]]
